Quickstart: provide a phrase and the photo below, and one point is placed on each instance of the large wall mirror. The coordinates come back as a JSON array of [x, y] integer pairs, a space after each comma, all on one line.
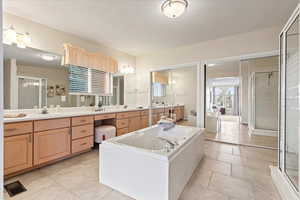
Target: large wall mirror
[[34, 78]]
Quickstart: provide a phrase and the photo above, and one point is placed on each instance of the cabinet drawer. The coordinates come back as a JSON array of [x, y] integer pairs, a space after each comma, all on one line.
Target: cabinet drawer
[[122, 123], [105, 116], [82, 131], [82, 144], [122, 115], [160, 110], [43, 125], [144, 112], [82, 120], [19, 128], [122, 131], [134, 114]]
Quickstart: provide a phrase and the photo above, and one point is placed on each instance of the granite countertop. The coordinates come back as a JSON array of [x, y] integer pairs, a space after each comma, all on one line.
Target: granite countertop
[[80, 112]]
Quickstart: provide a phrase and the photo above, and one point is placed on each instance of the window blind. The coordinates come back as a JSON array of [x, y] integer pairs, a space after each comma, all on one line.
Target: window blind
[[90, 81], [78, 79], [159, 90]]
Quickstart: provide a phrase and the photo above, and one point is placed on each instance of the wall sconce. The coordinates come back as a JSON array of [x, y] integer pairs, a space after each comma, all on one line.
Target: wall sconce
[[10, 37], [126, 69]]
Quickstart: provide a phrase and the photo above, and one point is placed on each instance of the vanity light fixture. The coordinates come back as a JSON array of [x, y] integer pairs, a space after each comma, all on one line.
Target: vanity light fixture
[[48, 57], [126, 69], [10, 36], [174, 8], [211, 65]]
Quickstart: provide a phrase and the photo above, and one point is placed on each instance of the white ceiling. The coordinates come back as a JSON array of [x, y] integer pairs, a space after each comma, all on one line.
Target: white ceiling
[[138, 27]]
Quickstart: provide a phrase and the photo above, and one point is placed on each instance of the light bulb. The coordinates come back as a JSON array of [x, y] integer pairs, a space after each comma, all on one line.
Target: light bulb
[[27, 39], [10, 36]]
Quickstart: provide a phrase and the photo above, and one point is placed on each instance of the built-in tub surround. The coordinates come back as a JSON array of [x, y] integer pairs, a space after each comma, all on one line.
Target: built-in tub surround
[[144, 166]]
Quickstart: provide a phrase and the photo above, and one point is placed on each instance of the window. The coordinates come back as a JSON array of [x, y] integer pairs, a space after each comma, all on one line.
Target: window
[[159, 90], [90, 81]]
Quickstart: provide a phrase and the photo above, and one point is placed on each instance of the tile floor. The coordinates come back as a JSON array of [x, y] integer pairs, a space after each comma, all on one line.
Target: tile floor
[[234, 132], [226, 172]]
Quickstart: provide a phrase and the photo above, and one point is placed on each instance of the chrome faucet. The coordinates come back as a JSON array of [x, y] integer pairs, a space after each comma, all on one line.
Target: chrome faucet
[[171, 143]]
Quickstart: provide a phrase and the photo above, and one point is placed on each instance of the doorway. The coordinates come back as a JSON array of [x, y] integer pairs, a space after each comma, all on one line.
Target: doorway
[[242, 101]]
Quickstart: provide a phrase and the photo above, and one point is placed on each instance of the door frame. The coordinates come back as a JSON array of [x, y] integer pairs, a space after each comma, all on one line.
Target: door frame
[[173, 67], [282, 104]]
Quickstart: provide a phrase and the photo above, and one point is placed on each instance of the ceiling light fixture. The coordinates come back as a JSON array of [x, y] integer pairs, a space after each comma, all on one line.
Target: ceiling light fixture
[[174, 8], [48, 57]]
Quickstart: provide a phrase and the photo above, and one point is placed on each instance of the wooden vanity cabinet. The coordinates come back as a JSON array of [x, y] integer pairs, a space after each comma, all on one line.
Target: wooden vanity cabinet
[[82, 133], [134, 123], [52, 144], [128, 122], [17, 153], [52, 140], [18, 145], [179, 111], [144, 119]]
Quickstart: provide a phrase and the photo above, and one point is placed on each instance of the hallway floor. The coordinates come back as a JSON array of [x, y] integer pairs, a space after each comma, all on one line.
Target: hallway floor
[[227, 172], [234, 132]]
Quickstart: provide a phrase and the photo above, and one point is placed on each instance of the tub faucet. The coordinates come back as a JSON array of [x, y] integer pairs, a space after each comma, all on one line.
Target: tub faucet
[[171, 143]]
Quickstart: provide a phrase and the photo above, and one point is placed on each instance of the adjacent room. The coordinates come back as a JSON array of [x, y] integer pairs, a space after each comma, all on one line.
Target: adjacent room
[[150, 100], [242, 101]]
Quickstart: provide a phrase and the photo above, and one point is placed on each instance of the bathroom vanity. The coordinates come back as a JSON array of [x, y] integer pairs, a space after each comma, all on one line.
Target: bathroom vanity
[[41, 139]]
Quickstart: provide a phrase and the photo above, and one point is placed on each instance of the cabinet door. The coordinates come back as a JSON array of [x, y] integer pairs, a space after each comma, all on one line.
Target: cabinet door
[[51, 145], [155, 119], [177, 112], [145, 122], [134, 123], [17, 153]]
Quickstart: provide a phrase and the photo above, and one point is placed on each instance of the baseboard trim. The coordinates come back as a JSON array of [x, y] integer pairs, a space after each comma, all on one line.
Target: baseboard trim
[[264, 132], [284, 188]]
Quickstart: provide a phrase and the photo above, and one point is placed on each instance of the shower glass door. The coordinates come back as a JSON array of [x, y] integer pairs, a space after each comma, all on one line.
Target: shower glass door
[[292, 81], [31, 92]]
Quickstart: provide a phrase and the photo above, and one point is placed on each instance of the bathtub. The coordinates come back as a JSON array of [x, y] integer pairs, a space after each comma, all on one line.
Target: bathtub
[[143, 165]]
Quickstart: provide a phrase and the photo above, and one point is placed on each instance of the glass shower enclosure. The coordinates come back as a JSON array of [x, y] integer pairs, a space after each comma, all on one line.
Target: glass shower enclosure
[[290, 102], [263, 94]]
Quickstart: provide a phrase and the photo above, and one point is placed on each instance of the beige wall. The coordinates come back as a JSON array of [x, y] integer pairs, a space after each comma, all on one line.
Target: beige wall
[[51, 40], [242, 44], [227, 69]]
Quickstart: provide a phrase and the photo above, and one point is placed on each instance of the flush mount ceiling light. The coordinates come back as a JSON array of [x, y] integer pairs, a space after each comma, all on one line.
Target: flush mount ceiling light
[[174, 8], [48, 57]]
